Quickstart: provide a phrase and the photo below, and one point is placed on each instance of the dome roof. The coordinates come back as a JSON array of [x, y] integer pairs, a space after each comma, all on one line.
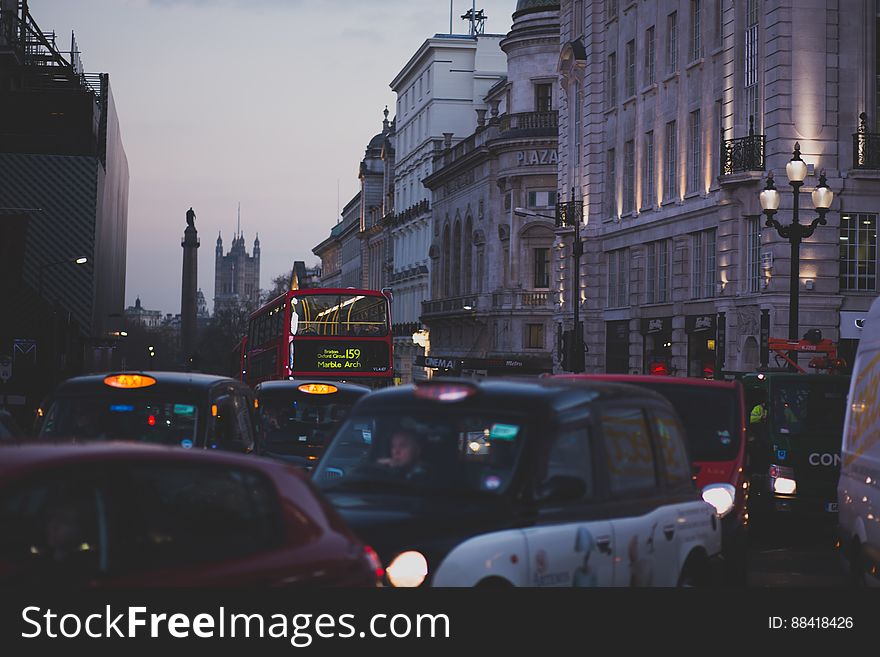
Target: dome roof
[[377, 141], [535, 5]]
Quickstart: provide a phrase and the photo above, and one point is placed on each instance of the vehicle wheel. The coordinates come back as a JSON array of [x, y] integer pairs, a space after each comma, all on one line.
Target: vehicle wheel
[[694, 575], [493, 583], [857, 575]]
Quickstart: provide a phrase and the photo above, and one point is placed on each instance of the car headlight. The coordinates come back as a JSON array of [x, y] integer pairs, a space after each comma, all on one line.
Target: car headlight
[[782, 480], [721, 496], [407, 569], [784, 486]]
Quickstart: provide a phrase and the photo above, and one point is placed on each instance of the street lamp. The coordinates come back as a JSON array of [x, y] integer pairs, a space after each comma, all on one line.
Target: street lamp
[[795, 232], [570, 213], [81, 260]]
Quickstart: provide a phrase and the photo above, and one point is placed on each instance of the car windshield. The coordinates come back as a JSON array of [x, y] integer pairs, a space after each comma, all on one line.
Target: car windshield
[[142, 419], [295, 416], [816, 407], [459, 453], [709, 416]]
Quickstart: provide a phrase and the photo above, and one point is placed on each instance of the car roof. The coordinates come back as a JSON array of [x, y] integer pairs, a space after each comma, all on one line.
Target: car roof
[[30, 455], [647, 378], [293, 384], [91, 382], [546, 395]]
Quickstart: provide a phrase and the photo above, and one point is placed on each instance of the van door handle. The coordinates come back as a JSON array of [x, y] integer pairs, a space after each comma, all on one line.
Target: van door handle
[[604, 544]]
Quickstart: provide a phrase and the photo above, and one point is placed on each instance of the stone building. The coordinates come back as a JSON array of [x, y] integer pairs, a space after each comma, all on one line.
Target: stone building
[[673, 114], [494, 196], [236, 274]]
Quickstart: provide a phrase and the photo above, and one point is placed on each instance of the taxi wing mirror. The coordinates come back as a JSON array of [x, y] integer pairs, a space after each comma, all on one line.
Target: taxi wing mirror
[[562, 488]]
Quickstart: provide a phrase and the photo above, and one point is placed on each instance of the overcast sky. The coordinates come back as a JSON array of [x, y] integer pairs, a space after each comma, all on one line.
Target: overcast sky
[[269, 103]]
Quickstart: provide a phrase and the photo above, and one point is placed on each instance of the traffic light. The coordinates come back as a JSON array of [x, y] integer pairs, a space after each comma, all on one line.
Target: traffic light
[[152, 351]]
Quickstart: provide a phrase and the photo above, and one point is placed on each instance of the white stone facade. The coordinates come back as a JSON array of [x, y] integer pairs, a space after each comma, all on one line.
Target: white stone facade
[[657, 100]]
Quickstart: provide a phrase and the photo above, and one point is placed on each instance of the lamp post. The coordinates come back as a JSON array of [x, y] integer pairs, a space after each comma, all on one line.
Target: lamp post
[[81, 260], [795, 232], [570, 213]]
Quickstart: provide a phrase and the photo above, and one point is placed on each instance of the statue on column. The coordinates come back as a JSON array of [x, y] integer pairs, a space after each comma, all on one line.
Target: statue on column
[[191, 218]]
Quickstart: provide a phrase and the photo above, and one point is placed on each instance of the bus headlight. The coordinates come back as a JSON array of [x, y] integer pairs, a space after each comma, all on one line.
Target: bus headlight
[[407, 569], [721, 496]]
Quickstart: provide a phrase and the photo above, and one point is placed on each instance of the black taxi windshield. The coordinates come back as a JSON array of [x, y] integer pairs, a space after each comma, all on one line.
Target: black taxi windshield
[[459, 453], [143, 419], [710, 418], [294, 416], [339, 315]]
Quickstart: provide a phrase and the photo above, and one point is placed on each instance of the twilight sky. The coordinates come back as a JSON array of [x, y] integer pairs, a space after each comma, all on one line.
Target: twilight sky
[[269, 103]]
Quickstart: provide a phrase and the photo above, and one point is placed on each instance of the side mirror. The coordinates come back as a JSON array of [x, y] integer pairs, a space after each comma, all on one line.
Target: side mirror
[[562, 488]]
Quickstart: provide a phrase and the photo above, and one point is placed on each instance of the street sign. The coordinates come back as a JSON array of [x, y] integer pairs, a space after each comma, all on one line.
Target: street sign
[[5, 368]]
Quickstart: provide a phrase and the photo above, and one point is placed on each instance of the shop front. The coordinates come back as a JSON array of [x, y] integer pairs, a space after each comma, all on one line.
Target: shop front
[[701, 334], [657, 345], [617, 347]]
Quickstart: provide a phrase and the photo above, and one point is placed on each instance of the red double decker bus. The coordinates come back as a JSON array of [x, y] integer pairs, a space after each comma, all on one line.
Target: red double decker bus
[[316, 333]]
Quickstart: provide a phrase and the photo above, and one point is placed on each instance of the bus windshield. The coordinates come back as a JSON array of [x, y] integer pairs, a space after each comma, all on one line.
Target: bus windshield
[[339, 315]]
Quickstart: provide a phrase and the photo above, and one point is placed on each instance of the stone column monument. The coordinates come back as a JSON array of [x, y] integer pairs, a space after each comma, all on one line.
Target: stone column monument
[[188, 304]]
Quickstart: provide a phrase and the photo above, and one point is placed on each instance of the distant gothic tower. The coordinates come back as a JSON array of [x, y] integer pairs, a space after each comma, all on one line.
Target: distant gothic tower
[[236, 275]]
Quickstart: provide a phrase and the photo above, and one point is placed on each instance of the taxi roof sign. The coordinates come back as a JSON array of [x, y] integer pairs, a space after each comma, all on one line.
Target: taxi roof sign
[[129, 381], [445, 392], [317, 388]]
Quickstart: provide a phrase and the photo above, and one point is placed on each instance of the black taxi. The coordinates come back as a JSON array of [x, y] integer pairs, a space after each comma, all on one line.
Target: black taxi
[[194, 411], [458, 482], [296, 418]]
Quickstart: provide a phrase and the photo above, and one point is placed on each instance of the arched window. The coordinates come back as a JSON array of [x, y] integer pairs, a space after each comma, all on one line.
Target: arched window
[[455, 272], [467, 258], [445, 264]]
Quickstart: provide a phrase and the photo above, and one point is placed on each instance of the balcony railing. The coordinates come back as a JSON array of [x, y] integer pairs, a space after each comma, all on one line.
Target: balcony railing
[[514, 299], [450, 305], [744, 153], [536, 123], [866, 146]]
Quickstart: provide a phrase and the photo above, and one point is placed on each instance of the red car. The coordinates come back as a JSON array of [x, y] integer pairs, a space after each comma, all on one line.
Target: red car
[[133, 515], [714, 418]]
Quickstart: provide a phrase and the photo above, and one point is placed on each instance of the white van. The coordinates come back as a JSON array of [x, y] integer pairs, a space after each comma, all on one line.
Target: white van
[[858, 490]]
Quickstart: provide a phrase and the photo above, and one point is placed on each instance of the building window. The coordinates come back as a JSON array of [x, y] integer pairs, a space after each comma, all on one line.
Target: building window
[[703, 264], [629, 176], [672, 42], [751, 63], [542, 199], [648, 172], [543, 97], [696, 37], [534, 336], [657, 272], [671, 162], [541, 268], [611, 187], [858, 252], [649, 55], [753, 254], [696, 152], [577, 21], [611, 81], [610, 9], [630, 75], [618, 280]]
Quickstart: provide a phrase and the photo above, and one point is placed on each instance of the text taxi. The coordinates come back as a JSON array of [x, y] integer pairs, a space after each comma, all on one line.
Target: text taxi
[[168, 408], [514, 483]]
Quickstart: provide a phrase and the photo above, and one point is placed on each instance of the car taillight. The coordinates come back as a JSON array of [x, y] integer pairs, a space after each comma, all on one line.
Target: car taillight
[[374, 561]]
